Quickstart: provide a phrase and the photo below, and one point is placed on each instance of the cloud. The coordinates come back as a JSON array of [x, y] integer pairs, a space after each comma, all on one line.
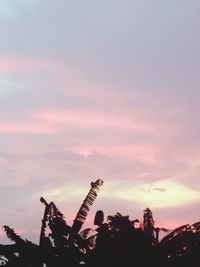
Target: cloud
[[92, 119], [9, 64], [159, 189], [26, 127], [171, 195], [174, 194]]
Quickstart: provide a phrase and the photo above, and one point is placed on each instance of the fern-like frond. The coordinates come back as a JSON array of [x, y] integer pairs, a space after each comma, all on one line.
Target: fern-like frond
[[85, 207]]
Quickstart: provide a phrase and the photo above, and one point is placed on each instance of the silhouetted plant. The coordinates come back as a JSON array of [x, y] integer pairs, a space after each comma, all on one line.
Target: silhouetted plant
[[115, 242]]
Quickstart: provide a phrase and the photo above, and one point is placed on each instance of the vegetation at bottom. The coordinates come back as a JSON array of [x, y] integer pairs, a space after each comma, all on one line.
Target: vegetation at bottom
[[116, 241]]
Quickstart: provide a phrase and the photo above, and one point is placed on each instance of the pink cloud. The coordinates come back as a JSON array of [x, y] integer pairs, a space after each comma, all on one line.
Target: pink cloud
[[92, 119], [30, 64], [26, 127], [142, 152], [65, 77]]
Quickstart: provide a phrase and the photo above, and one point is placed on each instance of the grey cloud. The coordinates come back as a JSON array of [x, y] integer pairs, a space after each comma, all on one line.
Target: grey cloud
[[159, 189]]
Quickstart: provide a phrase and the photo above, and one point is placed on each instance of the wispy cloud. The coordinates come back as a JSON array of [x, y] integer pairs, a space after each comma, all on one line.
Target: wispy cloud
[[26, 127], [10, 64], [92, 119]]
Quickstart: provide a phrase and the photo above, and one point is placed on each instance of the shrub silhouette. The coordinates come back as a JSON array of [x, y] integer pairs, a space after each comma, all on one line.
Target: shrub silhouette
[[113, 242]]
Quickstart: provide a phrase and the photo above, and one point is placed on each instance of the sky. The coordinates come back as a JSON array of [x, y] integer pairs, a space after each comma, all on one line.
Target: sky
[[99, 89]]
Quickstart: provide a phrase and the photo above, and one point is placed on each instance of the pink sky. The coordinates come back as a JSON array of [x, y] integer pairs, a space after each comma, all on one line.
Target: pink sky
[[104, 90]]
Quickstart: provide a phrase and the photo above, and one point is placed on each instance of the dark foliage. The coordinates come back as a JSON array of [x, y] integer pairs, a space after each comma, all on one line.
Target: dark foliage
[[115, 242]]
